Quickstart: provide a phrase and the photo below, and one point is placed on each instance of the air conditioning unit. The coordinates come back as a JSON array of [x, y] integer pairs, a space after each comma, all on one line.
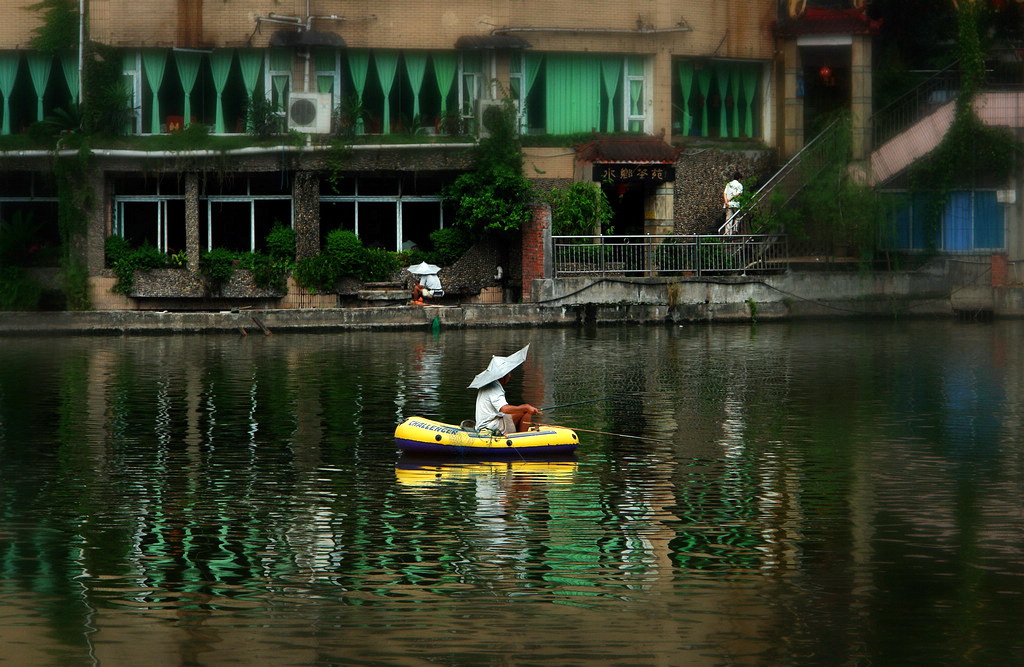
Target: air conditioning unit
[[482, 105], [310, 112]]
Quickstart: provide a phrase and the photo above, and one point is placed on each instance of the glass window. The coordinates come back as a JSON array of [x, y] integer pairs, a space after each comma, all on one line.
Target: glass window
[[377, 225], [419, 219], [336, 215]]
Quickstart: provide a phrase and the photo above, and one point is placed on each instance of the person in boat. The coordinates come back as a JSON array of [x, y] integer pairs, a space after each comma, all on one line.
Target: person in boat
[[493, 411], [428, 286]]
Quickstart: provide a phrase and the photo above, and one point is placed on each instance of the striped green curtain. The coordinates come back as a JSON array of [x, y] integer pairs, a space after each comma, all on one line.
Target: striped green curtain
[[387, 66], [154, 61], [8, 73], [416, 66], [445, 65], [326, 66], [69, 65], [685, 87], [737, 76], [188, 68], [751, 76], [573, 93], [281, 61], [704, 84], [359, 67], [611, 68], [39, 66], [723, 91], [220, 67], [251, 62]]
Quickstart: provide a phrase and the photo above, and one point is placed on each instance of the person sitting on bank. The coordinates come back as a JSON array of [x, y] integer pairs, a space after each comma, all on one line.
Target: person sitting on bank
[[494, 412], [429, 285]]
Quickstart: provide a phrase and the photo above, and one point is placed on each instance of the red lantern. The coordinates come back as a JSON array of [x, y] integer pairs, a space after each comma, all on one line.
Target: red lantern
[[825, 73]]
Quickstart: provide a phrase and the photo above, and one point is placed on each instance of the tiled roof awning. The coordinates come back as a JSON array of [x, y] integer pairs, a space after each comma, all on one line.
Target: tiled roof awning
[[307, 38], [821, 21], [470, 42], [634, 150]]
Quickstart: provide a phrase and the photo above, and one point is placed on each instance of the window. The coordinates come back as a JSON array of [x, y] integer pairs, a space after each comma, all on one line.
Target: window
[[971, 221], [717, 98], [391, 213], [150, 211], [566, 93], [471, 78], [28, 199]]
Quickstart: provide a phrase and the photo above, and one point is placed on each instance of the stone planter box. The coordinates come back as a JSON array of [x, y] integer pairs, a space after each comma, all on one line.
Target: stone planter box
[[182, 284]]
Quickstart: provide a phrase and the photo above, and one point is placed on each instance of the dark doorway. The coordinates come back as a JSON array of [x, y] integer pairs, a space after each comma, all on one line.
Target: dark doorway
[[826, 85], [627, 201]]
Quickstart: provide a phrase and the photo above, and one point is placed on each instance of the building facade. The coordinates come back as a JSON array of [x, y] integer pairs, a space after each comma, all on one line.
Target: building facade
[[405, 84]]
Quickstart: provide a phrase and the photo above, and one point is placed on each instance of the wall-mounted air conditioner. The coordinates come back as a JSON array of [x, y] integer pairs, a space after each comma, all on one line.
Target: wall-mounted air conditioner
[[482, 105], [310, 112]]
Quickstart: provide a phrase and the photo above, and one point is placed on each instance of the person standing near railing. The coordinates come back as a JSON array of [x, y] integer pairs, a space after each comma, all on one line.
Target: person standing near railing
[[731, 203]]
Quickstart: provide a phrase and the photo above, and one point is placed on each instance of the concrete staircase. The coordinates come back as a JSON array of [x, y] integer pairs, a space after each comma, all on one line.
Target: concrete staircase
[[999, 109]]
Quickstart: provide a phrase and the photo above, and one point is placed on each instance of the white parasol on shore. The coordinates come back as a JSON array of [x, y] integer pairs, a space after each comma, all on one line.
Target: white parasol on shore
[[423, 269], [499, 368]]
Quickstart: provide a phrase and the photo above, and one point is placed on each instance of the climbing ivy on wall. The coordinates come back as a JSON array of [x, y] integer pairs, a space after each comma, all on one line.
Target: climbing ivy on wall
[[971, 153]]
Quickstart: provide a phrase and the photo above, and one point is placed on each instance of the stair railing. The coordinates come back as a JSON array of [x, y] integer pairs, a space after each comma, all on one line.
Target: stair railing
[[913, 105]]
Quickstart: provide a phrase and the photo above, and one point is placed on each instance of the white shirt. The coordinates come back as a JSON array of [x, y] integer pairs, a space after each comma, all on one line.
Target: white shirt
[[431, 281], [732, 190], [489, 402]]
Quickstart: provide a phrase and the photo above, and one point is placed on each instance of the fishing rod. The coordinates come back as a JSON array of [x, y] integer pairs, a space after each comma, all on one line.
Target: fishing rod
[[565, 405], [617, 435]]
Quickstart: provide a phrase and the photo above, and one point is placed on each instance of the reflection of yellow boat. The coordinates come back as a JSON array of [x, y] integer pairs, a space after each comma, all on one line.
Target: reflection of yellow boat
[[418, 435], [425, 473]]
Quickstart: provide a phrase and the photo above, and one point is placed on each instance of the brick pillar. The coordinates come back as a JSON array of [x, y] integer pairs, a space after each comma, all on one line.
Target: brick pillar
[[536, 248], [1000, 269]]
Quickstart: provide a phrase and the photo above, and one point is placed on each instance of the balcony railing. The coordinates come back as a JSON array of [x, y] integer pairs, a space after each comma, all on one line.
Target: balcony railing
[[680, 255]]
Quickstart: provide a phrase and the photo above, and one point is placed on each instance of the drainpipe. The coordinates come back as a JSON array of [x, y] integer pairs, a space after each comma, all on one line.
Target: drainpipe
[[81, 46], [682, 26]]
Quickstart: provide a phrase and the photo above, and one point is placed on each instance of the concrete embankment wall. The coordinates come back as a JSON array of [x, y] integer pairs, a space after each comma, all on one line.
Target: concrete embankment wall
[[576, 301]]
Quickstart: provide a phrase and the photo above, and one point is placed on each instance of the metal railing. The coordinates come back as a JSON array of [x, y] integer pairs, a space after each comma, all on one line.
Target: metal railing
[[779, 191], [666, 255], [937, 90]]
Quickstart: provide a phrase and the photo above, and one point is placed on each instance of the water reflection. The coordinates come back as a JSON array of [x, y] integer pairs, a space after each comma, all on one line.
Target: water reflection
[[789, 493]]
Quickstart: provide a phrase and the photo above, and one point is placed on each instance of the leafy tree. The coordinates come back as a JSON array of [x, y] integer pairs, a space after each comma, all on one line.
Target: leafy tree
[[496, 196], [581, 208]]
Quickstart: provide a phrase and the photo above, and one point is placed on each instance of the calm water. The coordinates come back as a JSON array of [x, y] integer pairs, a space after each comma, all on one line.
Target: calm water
[[791, 494]]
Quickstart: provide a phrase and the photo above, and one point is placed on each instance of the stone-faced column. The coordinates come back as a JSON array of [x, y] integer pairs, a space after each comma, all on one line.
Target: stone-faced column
[[793, 103], [306, 201], [860, 95], [192, 248]]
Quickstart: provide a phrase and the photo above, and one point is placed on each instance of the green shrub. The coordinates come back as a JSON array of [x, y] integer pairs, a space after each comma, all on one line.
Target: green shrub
[[580, 209], [378, 264], [217, 265], [346, 252], [316, 274], [269, 272], [281, 242], [116, 248], [144, 258], [450, 244], [17, 236], [17, 289]]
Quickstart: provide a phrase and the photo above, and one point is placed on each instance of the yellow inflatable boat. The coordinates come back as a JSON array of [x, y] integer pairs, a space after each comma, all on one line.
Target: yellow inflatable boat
[[422, 436]]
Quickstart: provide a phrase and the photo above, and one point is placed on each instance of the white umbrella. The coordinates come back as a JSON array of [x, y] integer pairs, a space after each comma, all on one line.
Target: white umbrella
[[499, 368], [423, 269]]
